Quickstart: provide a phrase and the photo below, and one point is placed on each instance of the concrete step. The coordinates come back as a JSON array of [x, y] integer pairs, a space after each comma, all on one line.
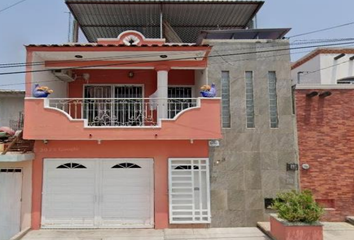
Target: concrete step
[[350, 219], [265, 228]]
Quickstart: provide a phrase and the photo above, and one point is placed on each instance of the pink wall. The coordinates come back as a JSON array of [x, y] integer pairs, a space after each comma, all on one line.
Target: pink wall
[[289, 231], [160, 151], [141, 76]]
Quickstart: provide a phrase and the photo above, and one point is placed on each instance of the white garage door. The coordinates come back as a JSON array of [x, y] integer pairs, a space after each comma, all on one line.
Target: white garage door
[[98, 193]]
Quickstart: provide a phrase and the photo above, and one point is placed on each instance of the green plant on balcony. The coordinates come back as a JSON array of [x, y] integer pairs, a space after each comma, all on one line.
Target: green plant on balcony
[[296, 206]]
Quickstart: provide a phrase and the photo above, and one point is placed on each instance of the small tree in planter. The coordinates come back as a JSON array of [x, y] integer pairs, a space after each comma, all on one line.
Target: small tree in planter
[[298, 216]]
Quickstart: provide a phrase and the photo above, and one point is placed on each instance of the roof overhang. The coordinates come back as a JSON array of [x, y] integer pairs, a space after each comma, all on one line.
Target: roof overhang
[[108, 18], [122, 57]]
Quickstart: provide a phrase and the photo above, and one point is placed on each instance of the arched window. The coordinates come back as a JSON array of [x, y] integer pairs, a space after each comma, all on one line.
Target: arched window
[[180, 167], [71, 166], [126, 165]]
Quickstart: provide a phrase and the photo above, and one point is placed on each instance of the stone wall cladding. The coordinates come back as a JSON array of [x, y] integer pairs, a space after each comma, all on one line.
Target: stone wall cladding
[[326, 143], [252, 161]]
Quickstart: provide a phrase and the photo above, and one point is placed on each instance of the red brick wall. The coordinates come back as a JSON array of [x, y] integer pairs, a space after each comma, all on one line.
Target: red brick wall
[[326, 143]]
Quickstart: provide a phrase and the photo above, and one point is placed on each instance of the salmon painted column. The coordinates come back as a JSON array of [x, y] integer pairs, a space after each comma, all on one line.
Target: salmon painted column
[[162, 90]]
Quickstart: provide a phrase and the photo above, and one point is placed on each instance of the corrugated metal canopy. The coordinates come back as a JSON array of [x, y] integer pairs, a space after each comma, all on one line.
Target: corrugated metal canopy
[[108, 18], [269, 33]]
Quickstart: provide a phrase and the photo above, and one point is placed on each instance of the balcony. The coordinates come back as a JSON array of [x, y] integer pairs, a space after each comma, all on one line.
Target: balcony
[[122, 118]]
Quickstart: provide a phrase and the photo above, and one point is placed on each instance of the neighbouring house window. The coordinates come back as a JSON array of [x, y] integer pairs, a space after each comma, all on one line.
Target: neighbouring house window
[[249, 100], [272, 92], [225, 99]]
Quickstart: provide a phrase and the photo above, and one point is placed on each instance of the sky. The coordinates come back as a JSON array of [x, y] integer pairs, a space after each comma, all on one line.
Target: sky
[[46, 21]]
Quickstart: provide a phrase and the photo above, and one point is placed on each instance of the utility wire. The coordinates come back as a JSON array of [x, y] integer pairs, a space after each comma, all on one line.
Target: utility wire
[[229, 62], [149, 55], [186, 58], [39, 63], [322, 30], [145, 70], [6, 8]]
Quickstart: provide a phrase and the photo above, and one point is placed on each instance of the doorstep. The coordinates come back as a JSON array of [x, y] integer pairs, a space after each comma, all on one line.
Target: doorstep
[[251, 233]]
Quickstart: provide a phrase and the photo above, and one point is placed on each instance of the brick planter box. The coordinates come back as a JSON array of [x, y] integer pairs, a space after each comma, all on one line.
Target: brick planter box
[[284, 230]]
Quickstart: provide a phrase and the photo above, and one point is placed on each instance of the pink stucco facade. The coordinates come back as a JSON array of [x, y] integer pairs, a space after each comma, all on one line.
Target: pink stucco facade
[[159, 151]]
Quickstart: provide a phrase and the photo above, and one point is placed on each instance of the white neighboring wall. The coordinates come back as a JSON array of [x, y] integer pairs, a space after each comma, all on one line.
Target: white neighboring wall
[[308, 78], [333, 70], [10, 107]]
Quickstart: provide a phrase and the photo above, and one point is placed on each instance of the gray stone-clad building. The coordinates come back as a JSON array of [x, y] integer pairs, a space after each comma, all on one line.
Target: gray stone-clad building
[[250, 165]]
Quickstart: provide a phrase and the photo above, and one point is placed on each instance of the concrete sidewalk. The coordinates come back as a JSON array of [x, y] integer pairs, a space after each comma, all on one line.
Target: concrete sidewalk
[[331, 230], [149, 234]]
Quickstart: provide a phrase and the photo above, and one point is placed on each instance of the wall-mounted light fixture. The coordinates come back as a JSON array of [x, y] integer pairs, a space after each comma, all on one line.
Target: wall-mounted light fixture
[[339, 56], [351, 58], [45, 141], [130, 74], [305, 166], [325, 94], [312, 94], [217, 162]]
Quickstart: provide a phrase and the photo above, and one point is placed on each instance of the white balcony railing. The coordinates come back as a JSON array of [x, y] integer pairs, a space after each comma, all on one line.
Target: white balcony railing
[[122, 111]]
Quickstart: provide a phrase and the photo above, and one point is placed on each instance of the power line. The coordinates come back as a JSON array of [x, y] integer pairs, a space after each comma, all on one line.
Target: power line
[[39, 63], [4, 9], [322, 30], [186, 58], [229, 62]]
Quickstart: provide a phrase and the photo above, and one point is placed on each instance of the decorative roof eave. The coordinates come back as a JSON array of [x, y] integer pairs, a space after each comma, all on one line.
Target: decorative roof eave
[[116, 45]]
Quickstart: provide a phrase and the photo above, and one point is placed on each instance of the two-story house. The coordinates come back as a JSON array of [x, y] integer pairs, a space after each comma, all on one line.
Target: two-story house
[[126, 141]]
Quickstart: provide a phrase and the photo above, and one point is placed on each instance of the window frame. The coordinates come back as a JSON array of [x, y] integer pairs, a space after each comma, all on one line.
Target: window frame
[[253, 100], [275, 100], [229, 100]]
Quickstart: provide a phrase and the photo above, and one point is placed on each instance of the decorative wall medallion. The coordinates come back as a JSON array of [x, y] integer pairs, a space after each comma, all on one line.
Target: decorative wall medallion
[[131, 40]]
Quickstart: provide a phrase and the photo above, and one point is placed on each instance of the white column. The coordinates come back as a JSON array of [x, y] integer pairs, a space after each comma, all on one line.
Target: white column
[[162, 92]]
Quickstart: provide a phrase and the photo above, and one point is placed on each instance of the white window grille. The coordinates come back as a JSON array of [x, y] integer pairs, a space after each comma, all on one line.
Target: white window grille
[[273, 105], [225, 99], [189, 190], [249, 100]]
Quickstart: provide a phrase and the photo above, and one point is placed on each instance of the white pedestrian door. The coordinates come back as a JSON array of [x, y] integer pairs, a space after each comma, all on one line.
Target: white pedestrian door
[[10, 202], [189, 191], [98, 193]]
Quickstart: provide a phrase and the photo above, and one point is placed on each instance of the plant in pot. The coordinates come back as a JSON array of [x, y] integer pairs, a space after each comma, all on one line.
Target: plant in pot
[[298, 217]]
